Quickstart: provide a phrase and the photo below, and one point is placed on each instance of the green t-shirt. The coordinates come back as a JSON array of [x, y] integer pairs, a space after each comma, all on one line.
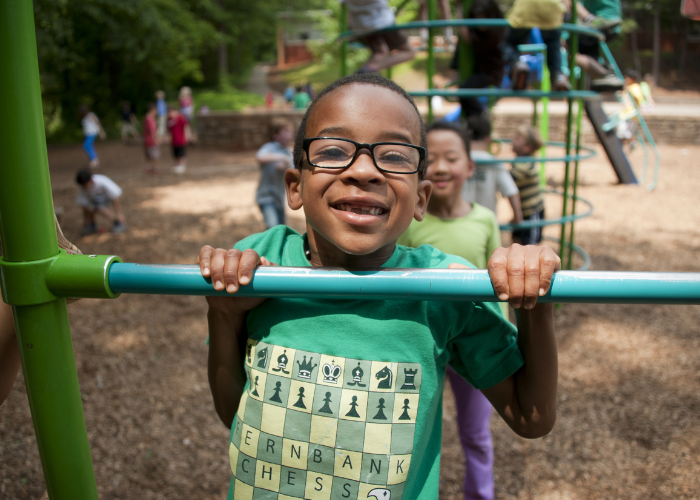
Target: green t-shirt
[[301, 100], [344, 397], [473, 237]]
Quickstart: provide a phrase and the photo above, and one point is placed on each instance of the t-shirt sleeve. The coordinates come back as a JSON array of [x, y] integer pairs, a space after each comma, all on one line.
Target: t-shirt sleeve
[[506, 184], [486, 352], [266, 148], [110, 187]]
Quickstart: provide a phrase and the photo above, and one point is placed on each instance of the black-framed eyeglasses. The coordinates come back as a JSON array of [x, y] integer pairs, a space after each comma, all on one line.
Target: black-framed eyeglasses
[[335, 152]]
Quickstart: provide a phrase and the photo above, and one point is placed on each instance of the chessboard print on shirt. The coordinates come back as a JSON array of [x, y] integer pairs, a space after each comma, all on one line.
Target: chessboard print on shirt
[[323, 427]]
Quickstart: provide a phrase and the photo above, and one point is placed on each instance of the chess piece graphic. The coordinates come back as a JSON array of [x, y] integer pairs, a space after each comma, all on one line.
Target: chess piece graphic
[[300, 402], [380, 414], [384, 373], [404, 415], [331, 372], [380, 494], [262, 356], [353, 411], [326, 407], [249, 352], [255, 389], [282, 363], [410, 377], [357, 373], [305, 369], [278, 388]]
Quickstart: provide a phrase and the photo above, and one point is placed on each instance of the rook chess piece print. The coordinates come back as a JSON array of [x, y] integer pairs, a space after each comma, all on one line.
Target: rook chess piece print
[[404, 415], [300, 402], [276, 396], [353, 411], [326, 407], [380, 414]]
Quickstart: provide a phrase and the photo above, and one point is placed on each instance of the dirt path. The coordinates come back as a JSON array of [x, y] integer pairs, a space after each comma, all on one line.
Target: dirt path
[[628, 422]]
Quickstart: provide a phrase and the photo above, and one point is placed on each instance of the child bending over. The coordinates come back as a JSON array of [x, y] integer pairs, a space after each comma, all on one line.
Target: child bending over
[[344, 397], [470, 231], [97, 194], [526, 142]]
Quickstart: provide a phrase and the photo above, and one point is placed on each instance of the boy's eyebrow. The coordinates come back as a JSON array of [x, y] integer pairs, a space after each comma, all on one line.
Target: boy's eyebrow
[[389, 136]]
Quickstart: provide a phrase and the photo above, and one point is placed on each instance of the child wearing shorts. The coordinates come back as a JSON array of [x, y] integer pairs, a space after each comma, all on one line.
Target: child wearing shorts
[[343, 398], [274, 158], [150, 140], [526, 142], [179, 132], [470, 231], [99, 194]]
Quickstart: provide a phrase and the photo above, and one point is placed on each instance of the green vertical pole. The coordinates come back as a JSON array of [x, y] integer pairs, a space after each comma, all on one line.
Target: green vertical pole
[[579, 120], [344, 43], [573, 49], [28, 235], [431, 56], [546, 86]]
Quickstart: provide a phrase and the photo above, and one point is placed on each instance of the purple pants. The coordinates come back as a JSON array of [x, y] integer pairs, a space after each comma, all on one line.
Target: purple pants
[[473, 419]]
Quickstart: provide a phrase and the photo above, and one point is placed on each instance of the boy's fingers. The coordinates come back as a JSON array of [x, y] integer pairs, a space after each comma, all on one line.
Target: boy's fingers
[[549, 262], [499, 273], [216, 268], [457, 265], [266, 262], [532, 276], [516, 275], [203, 259], [249, 261], [232, 259]]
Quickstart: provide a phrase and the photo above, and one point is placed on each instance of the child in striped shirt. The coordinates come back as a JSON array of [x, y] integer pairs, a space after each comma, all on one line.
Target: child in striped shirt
[[526, 142]]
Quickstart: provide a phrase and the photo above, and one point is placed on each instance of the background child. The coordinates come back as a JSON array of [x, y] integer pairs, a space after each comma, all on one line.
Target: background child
[[162, 108], [97, 194], [487, 179], [179, 134], [274, 158], [470, 231], [389, 48], [91, 129], [301, 98], [343, 375], [150, 140], [129, 122], [526, 142]]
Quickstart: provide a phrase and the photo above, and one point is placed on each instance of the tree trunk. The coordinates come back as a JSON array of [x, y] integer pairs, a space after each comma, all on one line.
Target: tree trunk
[[683, 59], [657, 46], [222, 59], [635, 49]]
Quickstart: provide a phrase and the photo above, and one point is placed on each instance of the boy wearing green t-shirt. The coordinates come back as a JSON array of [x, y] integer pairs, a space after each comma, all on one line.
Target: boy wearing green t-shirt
[[342, 398]]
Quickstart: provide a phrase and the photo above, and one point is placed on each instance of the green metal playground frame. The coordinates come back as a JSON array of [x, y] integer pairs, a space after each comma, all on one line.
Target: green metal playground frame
[[36, 277]]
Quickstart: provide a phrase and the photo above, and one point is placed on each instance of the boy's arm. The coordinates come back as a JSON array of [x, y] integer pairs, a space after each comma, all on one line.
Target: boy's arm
[[527, 399], [118, 209], [263, 157], [228, 269], [517, 208]]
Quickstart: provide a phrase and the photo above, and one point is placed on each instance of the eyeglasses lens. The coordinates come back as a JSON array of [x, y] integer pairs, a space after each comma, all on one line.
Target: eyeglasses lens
[[334, 153]]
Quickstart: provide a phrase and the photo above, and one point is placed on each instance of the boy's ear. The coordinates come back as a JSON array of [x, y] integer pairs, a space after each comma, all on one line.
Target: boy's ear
[[292, 180], [425, 188], [471, 167]]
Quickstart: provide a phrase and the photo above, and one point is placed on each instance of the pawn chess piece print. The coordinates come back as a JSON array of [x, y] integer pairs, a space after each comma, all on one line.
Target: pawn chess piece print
[[255, 388], [276, 396], [404, 415], [326, 408], [353, 411], [300, 402], [380, 414]]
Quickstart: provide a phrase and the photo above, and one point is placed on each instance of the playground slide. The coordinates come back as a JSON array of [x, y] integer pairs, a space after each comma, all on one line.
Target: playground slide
[[610, 142]]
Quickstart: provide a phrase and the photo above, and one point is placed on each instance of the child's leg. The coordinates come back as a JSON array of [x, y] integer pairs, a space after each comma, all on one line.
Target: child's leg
[[89, 147], [471, 105], [552, 39], [281, 216], [270, 215], [88, 216], [473, 418]]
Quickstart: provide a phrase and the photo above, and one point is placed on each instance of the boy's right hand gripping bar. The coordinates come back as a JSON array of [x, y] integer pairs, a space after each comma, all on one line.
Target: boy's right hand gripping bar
[[409, 284]]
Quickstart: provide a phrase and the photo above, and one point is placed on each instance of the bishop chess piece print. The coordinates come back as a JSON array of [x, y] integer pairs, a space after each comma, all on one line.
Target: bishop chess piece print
[[282, 360], [357, 373]]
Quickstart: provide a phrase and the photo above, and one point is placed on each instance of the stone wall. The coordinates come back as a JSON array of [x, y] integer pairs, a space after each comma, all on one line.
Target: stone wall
[[248, 130]]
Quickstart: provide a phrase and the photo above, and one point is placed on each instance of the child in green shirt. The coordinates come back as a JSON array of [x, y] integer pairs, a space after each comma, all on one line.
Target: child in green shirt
[[471, 231], [343, 398]]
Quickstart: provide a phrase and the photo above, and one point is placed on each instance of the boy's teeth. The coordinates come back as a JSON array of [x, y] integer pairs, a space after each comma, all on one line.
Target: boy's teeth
[[346, 207]]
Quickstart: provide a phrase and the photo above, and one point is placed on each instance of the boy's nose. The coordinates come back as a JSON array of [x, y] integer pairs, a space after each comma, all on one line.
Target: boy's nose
[[363, 168]]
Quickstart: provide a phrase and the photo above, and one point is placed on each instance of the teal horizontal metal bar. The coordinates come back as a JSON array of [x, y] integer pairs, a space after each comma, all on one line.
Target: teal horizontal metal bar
[[550, 222], [532, 47], [529, 94], [409, 284], [534, 159], [470, 23]]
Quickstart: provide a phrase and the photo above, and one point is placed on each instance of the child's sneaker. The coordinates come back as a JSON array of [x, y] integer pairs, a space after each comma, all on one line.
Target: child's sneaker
[[519, 75], [118, 227], [608, 83], [561, 83], [179, 169], [89, 229], [94, 163]]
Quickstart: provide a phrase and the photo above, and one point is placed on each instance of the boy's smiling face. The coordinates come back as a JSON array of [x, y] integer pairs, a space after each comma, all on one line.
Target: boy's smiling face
[[358, 211]]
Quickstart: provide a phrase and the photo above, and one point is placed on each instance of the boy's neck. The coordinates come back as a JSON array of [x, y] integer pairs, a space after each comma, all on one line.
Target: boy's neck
[[449, 209], [322, 253]]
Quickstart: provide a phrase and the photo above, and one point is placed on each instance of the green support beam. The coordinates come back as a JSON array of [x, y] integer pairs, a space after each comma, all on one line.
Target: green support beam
[[28, 240]]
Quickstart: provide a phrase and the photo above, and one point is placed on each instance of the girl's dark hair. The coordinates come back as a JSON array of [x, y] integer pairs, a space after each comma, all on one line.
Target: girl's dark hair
[[461, 130], [362, 79], [479, 126]]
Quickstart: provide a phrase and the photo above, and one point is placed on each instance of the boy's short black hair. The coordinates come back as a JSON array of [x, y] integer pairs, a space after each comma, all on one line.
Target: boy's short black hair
[[461, 130], [633, 74], [83, 176], [480, 127], [365, 79]]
